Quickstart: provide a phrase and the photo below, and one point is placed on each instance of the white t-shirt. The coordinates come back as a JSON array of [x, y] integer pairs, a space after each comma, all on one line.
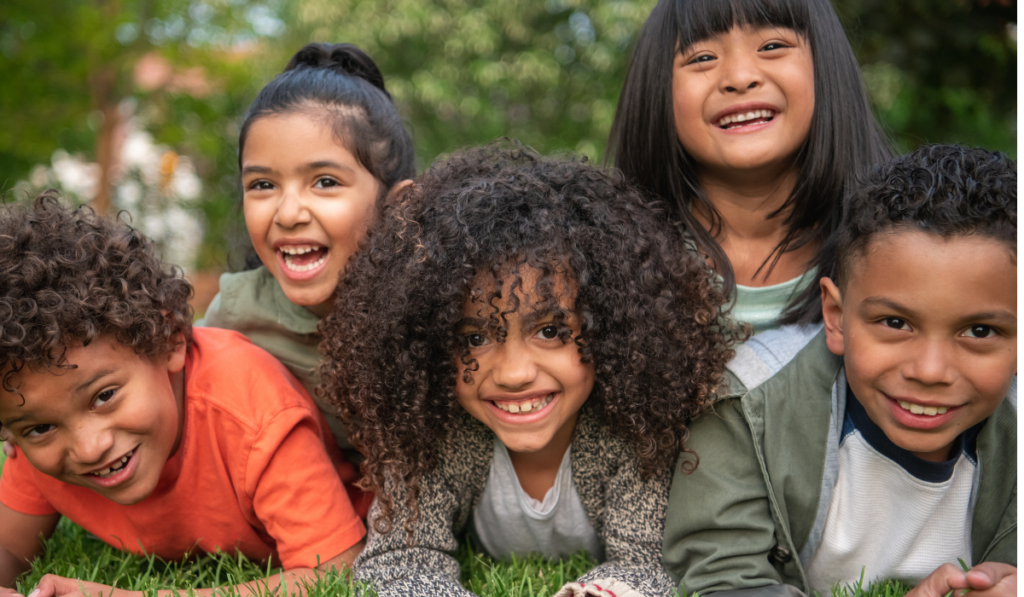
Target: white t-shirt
[[508, 521], [892, 514]]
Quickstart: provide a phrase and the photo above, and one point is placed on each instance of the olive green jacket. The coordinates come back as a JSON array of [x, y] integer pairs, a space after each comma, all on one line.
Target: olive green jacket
[[751, 516]]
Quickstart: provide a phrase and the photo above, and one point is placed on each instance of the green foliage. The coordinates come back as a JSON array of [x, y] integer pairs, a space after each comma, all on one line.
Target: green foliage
[[545, 72]]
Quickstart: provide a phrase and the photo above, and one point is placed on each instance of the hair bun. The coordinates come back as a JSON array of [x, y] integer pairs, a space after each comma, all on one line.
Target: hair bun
[[346, 59]]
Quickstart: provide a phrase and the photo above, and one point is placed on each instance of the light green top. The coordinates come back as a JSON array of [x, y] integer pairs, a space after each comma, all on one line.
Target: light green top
[[762, 306], [252, 303]]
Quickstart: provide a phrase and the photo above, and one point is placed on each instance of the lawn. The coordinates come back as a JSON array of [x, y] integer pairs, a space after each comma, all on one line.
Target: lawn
[[73, 553]]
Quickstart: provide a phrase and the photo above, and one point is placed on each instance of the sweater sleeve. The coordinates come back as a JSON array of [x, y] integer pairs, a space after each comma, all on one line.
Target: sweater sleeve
[[398, 564], [719, 530], [634, 524]]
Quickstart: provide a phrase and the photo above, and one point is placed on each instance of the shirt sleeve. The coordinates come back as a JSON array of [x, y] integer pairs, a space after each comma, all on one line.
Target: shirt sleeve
[[18, 489], [720, 530], [296, 492], [633, 531]]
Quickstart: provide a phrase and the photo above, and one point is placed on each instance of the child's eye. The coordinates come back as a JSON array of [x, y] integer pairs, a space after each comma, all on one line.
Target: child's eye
[[261, 185], [475, 340], [548, 332], [326, 182], [103, 397], [38, 430], [979, 331], [701, 58], [896, 323], [773, 45]]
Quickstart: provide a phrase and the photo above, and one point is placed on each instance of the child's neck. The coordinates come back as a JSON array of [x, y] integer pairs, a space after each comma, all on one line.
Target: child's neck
[[537, 471], [747, 235]]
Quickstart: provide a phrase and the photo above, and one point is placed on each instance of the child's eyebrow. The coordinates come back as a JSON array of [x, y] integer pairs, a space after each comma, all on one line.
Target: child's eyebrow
[[475, 322], [85, 384], [328, 164], [256, 170]]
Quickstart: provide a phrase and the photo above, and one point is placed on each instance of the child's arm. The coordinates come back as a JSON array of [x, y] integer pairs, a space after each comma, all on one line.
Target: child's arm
[[634, 525], [398, 565], [296, 579], [21, 540], [719, 529]]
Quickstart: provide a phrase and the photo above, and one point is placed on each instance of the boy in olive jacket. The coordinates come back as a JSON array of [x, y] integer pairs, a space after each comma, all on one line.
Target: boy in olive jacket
[[887, 446]]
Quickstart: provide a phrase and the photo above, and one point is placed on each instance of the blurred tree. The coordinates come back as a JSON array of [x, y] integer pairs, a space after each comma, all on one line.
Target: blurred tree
[[68, 66], [939, 70], [546, 72]]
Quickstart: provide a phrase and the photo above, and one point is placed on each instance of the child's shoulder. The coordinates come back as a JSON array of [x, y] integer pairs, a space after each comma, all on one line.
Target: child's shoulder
[[226, 370], [254, 299], [778, 356]]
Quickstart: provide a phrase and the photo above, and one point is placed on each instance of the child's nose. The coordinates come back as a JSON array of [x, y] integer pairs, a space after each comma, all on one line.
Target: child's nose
[[517, 368], [292, 210], [90, 445], [931, 363], [741, 74]]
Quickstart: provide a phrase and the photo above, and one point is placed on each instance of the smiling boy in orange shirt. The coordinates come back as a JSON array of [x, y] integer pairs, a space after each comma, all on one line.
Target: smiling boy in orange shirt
[[154, 437]]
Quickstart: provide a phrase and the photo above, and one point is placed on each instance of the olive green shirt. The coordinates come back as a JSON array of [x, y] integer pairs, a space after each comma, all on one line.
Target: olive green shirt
[[252, 303]]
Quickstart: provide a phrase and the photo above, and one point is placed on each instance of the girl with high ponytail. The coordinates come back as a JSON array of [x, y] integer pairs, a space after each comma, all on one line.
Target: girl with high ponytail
[[321, 149]]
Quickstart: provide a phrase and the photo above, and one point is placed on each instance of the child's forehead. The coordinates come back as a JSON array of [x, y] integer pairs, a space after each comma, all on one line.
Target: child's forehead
[[958, 273], [523, 283]]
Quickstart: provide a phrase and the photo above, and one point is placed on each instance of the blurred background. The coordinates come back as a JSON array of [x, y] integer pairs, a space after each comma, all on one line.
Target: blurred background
[[135, 104]]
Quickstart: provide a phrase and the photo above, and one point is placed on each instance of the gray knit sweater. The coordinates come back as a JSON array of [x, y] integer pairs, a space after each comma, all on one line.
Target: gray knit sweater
[[626, 511]]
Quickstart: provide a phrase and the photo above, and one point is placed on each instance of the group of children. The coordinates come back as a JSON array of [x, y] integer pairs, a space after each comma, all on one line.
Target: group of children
[[537, 355]]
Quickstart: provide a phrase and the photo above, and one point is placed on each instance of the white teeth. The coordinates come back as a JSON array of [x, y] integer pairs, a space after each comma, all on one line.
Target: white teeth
[[298, 249], [113, 469], [917, 409], [303, 268], [754, 114], [525, 406]]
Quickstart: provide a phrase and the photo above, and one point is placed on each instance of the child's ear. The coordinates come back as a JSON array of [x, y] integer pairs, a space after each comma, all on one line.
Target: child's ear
[[832, 313], [175, 359], [396, 192]]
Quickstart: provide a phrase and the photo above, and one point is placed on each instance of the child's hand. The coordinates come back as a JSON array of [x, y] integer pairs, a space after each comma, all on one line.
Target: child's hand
[[988, 579], [52, 585], [606, 587]]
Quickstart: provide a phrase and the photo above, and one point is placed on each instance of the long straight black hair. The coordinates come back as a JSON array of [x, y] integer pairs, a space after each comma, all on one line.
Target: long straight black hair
[[843, 142]]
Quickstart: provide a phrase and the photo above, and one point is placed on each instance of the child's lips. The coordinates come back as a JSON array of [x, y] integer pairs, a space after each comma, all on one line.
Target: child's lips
[[920, 416], [116, 472], [523, 410]]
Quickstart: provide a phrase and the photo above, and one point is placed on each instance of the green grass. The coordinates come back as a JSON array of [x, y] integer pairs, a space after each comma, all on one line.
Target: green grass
[[73, 553]]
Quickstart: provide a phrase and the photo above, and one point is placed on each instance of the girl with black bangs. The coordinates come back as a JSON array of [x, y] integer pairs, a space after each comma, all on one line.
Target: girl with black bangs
[[518, 351], [751, 119]]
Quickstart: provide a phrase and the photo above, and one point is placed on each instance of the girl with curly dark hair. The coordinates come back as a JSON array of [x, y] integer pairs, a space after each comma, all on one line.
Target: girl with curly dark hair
[[320, 149], [518, 350]]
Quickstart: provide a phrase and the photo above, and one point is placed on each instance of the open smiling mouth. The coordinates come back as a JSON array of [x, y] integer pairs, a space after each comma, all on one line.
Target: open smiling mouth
[[524, 406], [739, 119], [917, 409], [118, 466], [303, 258]]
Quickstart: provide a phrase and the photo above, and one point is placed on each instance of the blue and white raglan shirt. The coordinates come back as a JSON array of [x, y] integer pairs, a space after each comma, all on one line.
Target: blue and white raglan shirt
[[892, 514]]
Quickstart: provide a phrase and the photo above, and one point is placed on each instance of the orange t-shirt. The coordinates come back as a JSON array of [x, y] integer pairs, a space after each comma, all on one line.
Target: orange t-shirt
[[257, 470]]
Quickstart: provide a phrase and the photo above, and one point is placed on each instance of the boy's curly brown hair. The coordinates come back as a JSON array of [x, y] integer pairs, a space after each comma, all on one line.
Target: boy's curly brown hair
[[649, 307], [70, 275]]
